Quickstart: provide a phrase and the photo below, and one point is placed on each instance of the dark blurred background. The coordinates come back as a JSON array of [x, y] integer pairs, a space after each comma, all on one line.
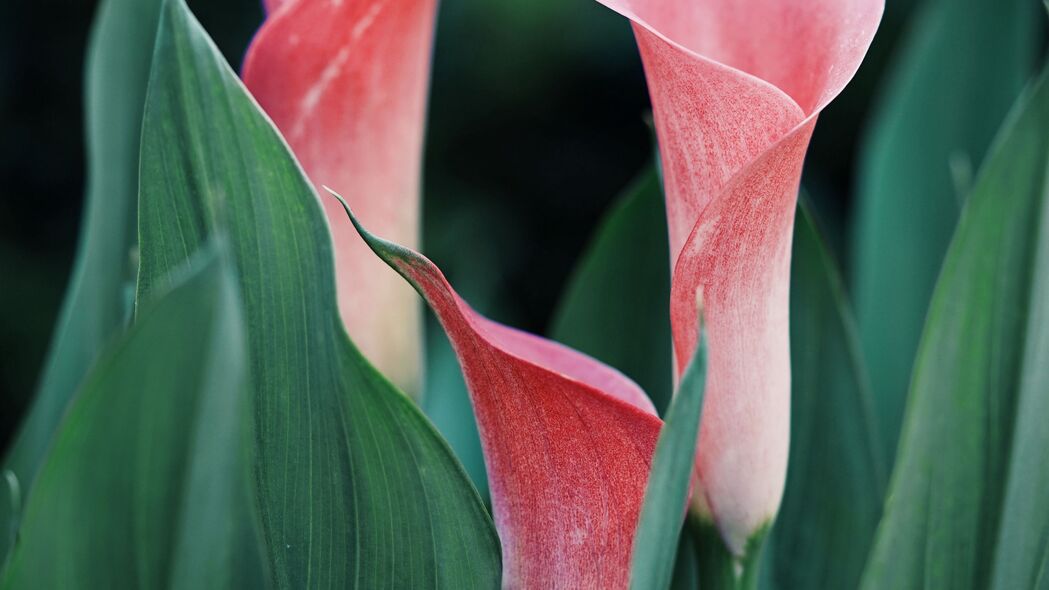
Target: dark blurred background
[[537, 121]]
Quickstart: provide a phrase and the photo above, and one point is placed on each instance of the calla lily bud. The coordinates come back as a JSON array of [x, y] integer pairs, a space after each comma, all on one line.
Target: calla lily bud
[[736, 88], [346, 83]]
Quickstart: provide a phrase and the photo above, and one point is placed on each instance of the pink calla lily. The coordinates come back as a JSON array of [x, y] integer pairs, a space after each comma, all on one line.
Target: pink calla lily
[[568, 442], [736, 89], [346, 83]]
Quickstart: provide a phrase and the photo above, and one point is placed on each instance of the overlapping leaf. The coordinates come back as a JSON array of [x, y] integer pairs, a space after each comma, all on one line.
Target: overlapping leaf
[[960, 68], [97, 303], [346, 83], [145, 484], [966, 505], [354, 487], [666, 494]]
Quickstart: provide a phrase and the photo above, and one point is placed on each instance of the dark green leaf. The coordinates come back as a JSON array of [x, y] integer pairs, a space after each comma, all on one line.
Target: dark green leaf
[[666, 494], [355, 487], [145, 485], [96, 305], [981, 361], [836, 475], [961, 67], [616, 308]]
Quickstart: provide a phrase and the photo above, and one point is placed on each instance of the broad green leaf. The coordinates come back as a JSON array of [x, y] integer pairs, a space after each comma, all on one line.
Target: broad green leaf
[[145, 485], [97, 303], [355, 487], [979, 366], [836, 476], [666, 493], [616, 306], [960, 68], [1022, 558]]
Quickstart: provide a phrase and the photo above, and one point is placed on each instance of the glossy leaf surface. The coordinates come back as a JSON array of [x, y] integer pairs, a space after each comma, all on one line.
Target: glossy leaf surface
[[97, 302], [959, 70], [146, 484], [982, 353], [354, 486]]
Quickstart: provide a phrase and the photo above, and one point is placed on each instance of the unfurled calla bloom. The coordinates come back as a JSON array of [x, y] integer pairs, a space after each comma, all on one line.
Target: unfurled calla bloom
[[346, 83], [567, 441], [736, 88]]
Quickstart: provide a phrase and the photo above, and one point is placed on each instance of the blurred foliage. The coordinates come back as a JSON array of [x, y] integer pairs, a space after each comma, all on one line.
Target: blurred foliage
[[956, 75], [967, 503]]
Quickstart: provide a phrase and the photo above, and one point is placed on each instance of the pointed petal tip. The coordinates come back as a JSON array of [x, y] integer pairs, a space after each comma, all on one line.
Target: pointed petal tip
[[568, 441], [391, 253]]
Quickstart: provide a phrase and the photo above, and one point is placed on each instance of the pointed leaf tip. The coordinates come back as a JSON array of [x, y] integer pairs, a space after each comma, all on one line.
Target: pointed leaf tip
[[668, 488]]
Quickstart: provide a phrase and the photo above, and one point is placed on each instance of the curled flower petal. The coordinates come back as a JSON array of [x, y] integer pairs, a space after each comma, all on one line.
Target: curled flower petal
[[346, 84], [736, 88], [568, 442]]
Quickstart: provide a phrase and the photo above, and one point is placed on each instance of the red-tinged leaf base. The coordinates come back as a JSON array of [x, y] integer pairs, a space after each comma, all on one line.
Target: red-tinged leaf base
[[568, 442]]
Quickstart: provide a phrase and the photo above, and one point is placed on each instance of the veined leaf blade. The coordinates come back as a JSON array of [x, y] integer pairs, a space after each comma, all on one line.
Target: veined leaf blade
[[355, 487], [943, 517]]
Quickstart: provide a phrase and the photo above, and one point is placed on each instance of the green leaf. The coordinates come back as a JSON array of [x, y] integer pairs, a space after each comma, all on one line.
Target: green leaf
[[718, 567], [355, 487], [961, 67], [616, 306], [666, 494], [1022, 558], [979, 368], [146, 482], [96, 305], [836, 475]]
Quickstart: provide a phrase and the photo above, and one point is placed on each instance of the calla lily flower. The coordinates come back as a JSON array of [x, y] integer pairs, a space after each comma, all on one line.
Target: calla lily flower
[[346, 83], [736, 88], [568, 442]]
